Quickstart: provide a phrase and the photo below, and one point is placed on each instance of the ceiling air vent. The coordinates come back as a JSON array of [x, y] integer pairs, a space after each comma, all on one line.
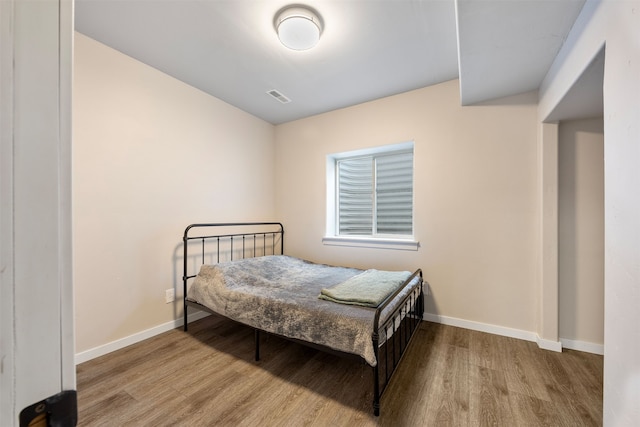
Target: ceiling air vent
[[277, 95]]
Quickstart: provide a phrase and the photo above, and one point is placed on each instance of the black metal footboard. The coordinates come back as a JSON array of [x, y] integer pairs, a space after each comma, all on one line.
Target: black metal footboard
[[392, 337]]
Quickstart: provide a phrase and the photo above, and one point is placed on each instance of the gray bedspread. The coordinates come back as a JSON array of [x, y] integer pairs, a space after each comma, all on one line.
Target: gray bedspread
[[279, 294]]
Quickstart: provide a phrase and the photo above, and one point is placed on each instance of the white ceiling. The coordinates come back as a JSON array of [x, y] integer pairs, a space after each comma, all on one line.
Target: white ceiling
[[369, 48]]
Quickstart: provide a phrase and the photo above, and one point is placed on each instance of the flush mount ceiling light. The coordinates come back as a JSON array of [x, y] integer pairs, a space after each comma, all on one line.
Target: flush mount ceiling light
[[298, 27]]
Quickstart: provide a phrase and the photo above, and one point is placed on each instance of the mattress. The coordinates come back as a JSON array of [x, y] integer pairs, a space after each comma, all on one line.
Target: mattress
[[279, 294]]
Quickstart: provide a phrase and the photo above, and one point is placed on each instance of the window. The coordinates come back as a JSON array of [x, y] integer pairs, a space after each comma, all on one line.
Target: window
[[370, 197]]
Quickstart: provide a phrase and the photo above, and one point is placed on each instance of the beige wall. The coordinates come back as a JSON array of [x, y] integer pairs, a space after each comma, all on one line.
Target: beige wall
[[475, 196], [581, 230], [150, 156]]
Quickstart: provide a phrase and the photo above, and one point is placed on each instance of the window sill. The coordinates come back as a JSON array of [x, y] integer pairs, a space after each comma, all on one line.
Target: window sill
[[369, 242]]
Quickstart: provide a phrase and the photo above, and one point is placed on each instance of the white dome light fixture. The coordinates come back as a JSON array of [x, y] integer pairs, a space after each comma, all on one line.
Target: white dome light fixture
[[298, 27]]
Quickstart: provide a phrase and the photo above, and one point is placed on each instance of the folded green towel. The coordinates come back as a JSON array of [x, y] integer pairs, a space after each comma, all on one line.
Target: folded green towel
[[367, 289]]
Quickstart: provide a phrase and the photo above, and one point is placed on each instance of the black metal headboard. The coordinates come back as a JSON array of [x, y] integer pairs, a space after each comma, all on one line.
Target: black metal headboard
[[216, 242]]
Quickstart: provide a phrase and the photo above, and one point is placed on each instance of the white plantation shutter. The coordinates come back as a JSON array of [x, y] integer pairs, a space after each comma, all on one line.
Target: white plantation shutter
[[375, 194], [394, 194], [355, 196]]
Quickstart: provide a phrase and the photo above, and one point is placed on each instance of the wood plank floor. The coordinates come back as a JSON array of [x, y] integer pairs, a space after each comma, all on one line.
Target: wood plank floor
[[450, 377]]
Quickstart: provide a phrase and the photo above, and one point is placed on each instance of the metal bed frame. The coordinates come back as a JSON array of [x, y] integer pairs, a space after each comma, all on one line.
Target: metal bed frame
[[390, 339]]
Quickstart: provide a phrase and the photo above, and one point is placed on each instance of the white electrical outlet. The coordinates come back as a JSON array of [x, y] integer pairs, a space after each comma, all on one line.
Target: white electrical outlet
[[169, 295]]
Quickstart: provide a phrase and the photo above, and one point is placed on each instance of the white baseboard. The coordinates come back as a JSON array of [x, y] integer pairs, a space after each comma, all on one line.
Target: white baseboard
[[587, 347], [445, 320], [549, 345], [496, 330], [135, 338], [481, 327]]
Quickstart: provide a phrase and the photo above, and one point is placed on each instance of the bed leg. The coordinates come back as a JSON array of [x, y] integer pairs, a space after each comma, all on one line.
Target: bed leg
[[257, 344], [185, 317], [376, 392]]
